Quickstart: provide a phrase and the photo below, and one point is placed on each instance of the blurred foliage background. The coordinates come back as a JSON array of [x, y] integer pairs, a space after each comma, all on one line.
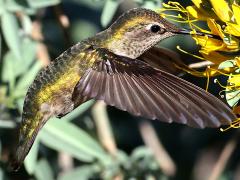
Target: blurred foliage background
[[95, 141]]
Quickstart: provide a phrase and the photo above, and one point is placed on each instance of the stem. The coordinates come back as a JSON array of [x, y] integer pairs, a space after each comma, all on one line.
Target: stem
[[224, 157], [104, 130], [151, 140]]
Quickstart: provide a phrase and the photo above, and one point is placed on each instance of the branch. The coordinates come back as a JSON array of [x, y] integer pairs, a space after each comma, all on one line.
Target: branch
[[224, 157], [42, 51], [153, 142], [104, 128], [200, 64], [64, 23]]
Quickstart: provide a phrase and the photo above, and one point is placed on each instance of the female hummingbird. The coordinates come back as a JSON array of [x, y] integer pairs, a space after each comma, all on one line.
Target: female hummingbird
[[113, 66]]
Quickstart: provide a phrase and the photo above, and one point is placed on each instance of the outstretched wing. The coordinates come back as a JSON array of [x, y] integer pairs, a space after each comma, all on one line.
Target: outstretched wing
[[134, 86]]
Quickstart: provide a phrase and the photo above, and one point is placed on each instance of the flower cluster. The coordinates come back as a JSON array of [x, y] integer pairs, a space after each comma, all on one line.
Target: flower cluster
[[220, 48]]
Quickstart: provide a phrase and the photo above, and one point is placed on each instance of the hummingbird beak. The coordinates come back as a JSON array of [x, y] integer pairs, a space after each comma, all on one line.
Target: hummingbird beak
[[189, 32]]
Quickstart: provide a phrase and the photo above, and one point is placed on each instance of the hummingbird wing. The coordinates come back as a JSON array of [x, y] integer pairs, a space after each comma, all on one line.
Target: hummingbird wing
[[162, 58], [134, 86]]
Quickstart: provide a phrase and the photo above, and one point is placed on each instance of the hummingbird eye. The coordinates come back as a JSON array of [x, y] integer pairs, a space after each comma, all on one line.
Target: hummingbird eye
[[155, 28]]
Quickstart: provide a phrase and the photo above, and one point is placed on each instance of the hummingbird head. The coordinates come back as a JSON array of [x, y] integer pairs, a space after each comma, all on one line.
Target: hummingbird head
[[138, 30]]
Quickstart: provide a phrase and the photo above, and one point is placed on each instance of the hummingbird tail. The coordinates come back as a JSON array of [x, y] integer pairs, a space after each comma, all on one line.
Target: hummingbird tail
[[27, 135]]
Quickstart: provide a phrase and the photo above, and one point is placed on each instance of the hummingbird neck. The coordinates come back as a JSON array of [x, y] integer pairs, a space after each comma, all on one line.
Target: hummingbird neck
[[131, 48], [119, 45]]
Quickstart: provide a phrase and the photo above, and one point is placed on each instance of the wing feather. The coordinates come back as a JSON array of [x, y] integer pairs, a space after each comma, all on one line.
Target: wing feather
[[134, 86]]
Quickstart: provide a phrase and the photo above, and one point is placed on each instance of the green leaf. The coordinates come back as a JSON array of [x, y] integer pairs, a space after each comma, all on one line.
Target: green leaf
[[86, 3], [8, 74], [108, 12], [10, 29], [0, 45], [26, 24], [85, 172], [151, 5], [8, 124], [28, 50], [17, 67], [78, 111], [227, 64], [2, 7], [19, 5], [65, 136], [0, 147], [1, 174], [8, 67], [140, 152], [232, 93], [122, 157], [232, 97], [42, 3], [43, 171], [19, 103], [30, 162], [25, 80], [81, 29]]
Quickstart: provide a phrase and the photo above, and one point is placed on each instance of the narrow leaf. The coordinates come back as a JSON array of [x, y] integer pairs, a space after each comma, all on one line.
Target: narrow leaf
[[65, 136], [78, 111], [150, 5], [42, 3], [0, 45], [10, 29], [15, 67], [19, 5], [2, 7], [43, 171], [30, 162], [8, 74], [1, 174], [232, 97], [108, 12], [25, 80], [227, 64], [26, 24], [85, 172], [140, 152]]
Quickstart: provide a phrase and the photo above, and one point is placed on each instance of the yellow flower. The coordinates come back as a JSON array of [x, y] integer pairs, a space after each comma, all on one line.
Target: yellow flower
[[236, 10], [223, 20], [233, 29], [208, 45], [195, 13], [222, 10]]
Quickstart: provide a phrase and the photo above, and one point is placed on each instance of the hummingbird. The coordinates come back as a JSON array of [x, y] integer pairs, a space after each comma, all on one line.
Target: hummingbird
[[119, 66]]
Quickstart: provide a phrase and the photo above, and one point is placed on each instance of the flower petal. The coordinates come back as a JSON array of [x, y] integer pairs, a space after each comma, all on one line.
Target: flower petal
[[216, 57], [195, 13], [222, 10], [197, 3], [215, 28], [209, 44], [236, 12], [233, 29]]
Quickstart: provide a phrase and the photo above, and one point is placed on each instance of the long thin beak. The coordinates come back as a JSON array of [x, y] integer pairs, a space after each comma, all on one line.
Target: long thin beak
[[188, 32]]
